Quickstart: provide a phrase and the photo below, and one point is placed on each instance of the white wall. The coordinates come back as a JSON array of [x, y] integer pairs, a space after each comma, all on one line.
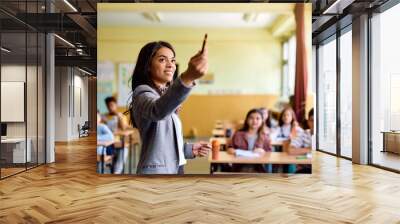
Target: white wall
[[243, 61], [80, 100], [62, 81], [71, 88]]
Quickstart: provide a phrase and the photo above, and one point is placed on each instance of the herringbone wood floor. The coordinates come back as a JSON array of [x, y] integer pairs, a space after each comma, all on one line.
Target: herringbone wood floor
[[70, 191]]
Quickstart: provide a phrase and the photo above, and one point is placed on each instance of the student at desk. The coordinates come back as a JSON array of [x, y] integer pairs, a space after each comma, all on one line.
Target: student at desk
[[105, 139], [250, 137], [288, 126], [113, 119], [116, 121], [287, 129], [269, 121], [301, 144]]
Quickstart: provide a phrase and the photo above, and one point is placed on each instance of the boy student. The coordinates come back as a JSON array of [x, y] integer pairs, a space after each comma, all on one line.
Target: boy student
[[114, 119]]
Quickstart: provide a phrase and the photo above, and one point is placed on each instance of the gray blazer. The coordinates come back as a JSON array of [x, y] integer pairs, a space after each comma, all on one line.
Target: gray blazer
[[159, 129]]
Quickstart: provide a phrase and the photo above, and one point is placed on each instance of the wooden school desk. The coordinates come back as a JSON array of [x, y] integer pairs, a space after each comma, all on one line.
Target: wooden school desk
[[267, 158]]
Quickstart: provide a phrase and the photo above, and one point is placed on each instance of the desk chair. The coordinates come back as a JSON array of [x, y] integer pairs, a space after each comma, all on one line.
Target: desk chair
[[84, 130]]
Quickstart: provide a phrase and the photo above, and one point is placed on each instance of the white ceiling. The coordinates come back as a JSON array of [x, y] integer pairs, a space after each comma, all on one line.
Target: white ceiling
[[187, 19]]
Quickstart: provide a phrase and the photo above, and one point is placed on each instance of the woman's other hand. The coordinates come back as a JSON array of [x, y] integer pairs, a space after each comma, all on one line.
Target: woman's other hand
[[231, 151], [178, 109], [201, 149]]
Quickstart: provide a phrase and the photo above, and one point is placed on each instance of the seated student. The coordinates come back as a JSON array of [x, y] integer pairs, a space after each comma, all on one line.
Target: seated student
[[113, 119], [301, 144], [250, 137], [116, 121], [269, 121], [105, 139], [287, 129], [288, 126]]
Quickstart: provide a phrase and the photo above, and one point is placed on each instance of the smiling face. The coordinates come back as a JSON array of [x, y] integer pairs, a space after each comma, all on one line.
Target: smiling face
[[254, 121], [287, 117], [163, 66]]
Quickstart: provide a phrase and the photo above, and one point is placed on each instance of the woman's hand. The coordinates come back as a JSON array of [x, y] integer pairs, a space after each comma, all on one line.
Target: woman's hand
[[231, 151], [201, 149], [178, 109], [197, 67]]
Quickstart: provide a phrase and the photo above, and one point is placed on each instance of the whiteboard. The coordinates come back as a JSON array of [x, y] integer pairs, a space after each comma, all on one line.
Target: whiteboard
[[12, 101]]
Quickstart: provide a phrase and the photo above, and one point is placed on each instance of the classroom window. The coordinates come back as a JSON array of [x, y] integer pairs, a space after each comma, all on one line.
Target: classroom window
[[288, 67]]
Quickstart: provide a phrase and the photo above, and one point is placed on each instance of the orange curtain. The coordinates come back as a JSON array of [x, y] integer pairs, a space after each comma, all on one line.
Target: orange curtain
[[300, 88]]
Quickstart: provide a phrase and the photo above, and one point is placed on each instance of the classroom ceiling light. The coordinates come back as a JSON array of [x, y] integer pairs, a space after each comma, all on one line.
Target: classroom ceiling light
[[250, 17], [152, 16], [5, 50], [70, 5], [65, 41]]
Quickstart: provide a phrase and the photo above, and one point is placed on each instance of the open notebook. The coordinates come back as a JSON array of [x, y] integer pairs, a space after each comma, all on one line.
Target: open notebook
[[246, 153]]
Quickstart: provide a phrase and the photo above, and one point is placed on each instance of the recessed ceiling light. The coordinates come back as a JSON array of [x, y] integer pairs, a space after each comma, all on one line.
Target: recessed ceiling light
[[152, 16], [250, 17], [5, 50]]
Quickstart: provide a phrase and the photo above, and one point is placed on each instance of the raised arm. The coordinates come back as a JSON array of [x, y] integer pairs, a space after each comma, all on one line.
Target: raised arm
[[148, 105]]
